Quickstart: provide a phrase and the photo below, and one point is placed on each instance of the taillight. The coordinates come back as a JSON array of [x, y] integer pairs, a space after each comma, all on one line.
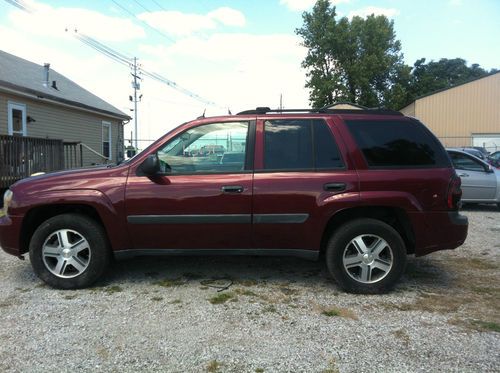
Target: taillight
[[454, 192]]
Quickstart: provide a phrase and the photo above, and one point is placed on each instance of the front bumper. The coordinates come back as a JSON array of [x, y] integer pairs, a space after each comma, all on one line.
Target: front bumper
[[10, 234]]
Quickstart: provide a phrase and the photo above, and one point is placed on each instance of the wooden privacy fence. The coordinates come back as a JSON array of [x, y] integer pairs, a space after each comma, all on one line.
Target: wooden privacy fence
[[21, 157]]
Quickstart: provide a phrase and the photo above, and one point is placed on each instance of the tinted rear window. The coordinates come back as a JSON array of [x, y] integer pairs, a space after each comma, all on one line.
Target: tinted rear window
[[300, 144], [397, 144]]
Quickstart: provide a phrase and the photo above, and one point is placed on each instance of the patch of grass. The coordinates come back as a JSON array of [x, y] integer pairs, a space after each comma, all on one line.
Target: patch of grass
[[270, 308], [339, 312], [478, 325], [157, 299], [332, 367], [259, 370], [221, 298], [476, 263], [113, 289], [486, 325], [70, 296], [176, 301], [402, 335], [288, 291], [169, 282], [23, 290], [245, 292], [213, 366]]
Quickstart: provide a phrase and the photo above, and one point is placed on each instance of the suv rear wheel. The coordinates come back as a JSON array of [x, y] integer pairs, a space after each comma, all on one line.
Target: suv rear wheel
[[69, 251], [366, 256]]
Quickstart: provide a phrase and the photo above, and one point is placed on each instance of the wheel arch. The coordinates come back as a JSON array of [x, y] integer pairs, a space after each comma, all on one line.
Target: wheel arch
[[92, 204], [393, 216]]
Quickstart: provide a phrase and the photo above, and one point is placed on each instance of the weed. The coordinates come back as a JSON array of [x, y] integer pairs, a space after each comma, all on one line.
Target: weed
[[245, 292], [70, 296], [113, 289], [221, 298], [270, 308], [213, 366], [332, 367], [259, 370], [169, 282], [288, 291], [339, 312], [176, 301], [157, 299], [486, 325], [402, 335], [23, 290]]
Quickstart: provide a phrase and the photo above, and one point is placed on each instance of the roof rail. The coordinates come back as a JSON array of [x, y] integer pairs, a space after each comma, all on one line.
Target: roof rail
[[324, 110]]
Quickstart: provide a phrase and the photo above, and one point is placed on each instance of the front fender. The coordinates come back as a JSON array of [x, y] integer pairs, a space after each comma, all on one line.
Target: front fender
[[111, 214]]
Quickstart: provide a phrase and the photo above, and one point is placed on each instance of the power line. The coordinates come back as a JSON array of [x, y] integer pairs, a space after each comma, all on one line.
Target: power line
[[20, 4], [159, 5], [101, 48], [125, 60], [143, 22]]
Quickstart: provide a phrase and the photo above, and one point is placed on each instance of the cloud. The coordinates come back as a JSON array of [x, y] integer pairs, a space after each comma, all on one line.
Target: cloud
[[369, 10], [228, 16], [300, 5], [48, 21], [182, 24]]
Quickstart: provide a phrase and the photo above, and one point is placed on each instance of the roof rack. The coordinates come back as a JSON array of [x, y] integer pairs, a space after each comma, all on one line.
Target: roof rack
[[324, 110]]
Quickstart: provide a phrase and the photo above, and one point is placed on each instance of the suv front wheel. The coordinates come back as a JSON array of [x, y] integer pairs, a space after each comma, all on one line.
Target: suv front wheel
[[69, 251], [366, 256]]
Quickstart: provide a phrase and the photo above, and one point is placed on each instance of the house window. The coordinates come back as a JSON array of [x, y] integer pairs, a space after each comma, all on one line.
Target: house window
[[16, 119], [106, 140]]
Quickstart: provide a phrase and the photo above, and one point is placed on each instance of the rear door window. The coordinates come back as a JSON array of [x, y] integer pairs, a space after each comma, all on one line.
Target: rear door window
[[299, 144], [397, 143]]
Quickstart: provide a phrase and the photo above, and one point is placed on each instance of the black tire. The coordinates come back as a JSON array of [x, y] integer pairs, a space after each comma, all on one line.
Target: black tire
[[96, 255], [340, 244]]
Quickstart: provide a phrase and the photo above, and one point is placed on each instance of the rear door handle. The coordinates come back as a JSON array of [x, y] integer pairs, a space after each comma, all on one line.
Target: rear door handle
[[334, 187], [463, 175], [232, 189]]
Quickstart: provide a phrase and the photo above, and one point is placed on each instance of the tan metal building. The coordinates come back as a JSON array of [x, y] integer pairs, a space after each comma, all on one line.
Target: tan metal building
[[465, 115]]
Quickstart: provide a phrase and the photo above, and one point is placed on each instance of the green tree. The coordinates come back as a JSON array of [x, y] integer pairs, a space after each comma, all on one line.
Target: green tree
[[445, 73], [356, 60]]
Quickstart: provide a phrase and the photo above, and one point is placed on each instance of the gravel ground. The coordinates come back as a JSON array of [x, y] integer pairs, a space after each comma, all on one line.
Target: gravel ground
[[278, 315]]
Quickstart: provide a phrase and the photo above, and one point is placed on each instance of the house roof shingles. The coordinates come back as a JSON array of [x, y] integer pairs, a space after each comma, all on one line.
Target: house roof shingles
[[25, 76]]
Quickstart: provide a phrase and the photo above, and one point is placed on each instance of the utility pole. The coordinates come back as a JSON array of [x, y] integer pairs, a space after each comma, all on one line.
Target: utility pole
[[136, 86]]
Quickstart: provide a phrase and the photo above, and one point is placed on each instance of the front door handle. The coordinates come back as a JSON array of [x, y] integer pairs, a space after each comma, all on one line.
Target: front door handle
[[232, 189], [334, 187], [463, 175]]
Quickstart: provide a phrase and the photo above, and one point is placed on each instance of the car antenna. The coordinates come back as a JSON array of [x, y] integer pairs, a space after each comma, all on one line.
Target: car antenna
[[229, 111], [202, 115]]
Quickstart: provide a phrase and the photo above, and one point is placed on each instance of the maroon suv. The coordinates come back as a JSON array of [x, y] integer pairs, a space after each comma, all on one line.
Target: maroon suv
[[361, 189]]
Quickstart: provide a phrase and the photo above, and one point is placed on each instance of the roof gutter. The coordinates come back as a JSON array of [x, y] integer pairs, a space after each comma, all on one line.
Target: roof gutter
[[40, 96]]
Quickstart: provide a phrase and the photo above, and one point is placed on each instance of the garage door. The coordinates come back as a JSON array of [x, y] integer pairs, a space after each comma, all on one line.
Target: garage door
[[491, 141]]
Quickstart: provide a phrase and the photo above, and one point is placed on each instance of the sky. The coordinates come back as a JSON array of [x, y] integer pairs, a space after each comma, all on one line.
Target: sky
[[235, 54]]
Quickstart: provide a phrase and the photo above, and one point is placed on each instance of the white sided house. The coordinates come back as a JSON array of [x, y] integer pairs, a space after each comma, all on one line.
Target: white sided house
[[48, 122]]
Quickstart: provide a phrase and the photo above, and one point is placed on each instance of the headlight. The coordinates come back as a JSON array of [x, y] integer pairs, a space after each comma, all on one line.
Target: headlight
[[7, 198]]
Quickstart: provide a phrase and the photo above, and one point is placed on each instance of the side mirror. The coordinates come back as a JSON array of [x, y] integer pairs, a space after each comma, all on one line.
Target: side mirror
[[490, 169], [151, 165]]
